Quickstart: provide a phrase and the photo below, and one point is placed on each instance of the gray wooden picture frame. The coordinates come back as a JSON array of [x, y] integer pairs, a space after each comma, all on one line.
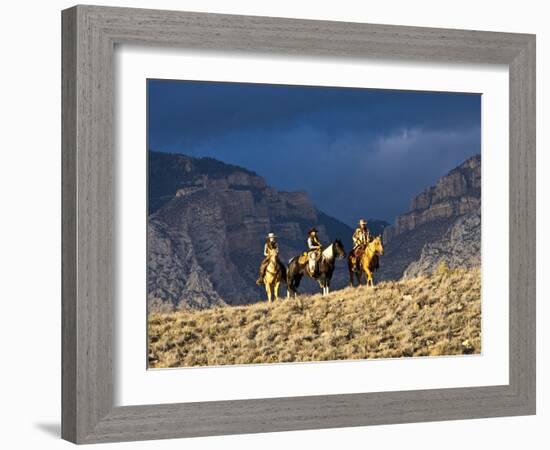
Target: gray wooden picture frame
[[89, 37]]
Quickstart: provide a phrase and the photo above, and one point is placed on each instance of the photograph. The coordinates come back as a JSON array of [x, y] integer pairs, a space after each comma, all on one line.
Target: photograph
[[263, 225], [310, 223]]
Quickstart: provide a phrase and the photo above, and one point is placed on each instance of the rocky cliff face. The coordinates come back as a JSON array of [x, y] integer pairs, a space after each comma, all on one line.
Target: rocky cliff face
[[207, 225], [427, 227], [460, 246], [455, 194]]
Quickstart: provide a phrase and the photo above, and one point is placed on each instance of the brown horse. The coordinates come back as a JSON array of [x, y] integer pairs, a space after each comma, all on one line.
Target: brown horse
[[275, 272], [368, 261]]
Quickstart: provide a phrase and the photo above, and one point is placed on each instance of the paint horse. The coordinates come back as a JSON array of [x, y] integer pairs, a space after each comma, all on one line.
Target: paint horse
[[299, 266]]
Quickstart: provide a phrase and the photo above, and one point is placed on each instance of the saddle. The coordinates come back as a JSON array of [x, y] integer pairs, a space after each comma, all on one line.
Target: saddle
[[307, 257], [303, 258], [358, 252]]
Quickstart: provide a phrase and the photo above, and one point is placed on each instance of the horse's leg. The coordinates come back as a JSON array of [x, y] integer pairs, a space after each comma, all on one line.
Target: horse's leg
[[369, 278], [289, 281], [290, 292], [292, 285], [294, 290], [276, 290], [268, 291], [296, 279], [350, 272], [289, 286]]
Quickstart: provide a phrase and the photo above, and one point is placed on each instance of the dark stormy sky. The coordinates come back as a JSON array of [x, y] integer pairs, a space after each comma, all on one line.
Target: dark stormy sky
[[357, 152]]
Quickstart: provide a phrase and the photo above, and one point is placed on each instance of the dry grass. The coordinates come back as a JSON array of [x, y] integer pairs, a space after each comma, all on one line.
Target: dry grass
[[438, 315]]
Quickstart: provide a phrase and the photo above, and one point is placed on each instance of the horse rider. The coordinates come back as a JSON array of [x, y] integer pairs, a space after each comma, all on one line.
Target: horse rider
[[270, 245], [361, 237], [314, 250]]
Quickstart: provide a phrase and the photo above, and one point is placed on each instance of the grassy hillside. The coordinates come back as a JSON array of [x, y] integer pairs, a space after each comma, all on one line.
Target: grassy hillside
[[439, 315]]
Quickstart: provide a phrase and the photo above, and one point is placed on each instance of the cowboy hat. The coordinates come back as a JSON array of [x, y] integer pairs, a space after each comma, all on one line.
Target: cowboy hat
[[271, 235], [362, 221], [311, 230]]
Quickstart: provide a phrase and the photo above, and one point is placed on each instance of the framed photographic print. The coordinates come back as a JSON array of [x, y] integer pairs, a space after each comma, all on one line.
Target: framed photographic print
[[305, 210], [213, 220]]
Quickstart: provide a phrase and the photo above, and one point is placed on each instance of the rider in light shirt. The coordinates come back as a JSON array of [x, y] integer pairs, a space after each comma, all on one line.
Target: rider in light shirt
[[314, 247]]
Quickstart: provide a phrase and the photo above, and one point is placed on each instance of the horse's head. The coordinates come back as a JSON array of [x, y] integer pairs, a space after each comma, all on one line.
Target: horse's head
[[339, 249], [378, 247], [273, 253]]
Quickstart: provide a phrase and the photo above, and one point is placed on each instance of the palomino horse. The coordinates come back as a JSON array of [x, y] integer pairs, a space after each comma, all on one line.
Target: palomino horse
[[367, 263], [275, 272], [297, 269]]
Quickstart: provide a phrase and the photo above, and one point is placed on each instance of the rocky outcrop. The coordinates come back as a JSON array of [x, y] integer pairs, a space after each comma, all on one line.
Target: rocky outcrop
[[420, 237], [207, 225], [406, 247], [170, 255], [460, 246], [455, 194]]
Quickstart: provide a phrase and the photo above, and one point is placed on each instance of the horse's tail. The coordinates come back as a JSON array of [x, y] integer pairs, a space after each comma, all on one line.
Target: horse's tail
[[283, 273], [375, 263], [288, 274], [292, 278]]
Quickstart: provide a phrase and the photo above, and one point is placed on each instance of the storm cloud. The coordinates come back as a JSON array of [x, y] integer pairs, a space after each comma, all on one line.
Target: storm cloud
[[357, 152]]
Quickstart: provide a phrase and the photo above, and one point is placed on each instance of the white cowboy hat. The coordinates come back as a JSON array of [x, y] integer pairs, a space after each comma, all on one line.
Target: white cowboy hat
[[362, 221], [271, 235]]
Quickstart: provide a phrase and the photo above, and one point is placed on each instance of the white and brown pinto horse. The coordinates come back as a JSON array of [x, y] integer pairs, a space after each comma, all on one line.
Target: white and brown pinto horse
[[323, 275]]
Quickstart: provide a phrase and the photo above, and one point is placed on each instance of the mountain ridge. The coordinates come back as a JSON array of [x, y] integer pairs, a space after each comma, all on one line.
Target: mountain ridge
[[214, 224], [432, 215], [208, 221]]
